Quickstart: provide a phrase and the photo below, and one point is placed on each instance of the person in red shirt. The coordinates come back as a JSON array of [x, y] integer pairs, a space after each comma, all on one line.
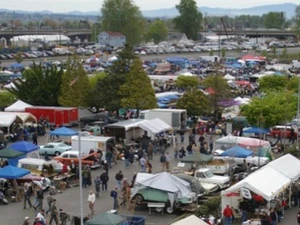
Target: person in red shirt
[[64, 168], [228, 214]]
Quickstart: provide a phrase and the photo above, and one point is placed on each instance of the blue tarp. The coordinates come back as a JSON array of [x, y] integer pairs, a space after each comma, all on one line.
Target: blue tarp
[[63, 131], [237, 151], [24, 146], [12, 172], [255, 130]]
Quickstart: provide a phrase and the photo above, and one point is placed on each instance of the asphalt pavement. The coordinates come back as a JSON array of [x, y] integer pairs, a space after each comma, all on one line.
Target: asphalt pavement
[[13, 213]]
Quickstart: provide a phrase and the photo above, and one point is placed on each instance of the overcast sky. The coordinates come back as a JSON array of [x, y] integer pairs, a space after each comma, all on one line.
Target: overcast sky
[[95, 5]]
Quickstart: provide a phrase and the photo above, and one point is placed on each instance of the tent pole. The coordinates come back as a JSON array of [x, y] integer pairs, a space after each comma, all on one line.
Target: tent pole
[[290, 194], [80, 178]]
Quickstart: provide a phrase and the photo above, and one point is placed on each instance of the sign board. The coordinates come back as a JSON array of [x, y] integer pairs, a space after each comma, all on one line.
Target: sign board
[[246, 193]]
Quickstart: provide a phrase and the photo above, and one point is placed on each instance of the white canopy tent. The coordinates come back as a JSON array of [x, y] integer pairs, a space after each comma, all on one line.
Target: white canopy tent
[[25, 117], [18, 106], [283, 165], [190, 220], [155, 126], [6, 120], [273, 184]]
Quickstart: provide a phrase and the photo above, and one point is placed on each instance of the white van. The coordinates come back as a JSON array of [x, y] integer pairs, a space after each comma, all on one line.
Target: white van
[[36, 165]]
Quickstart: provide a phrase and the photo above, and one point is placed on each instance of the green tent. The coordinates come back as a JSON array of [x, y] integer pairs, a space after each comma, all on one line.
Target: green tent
[[197, 158], [106, 219], [9, 153]]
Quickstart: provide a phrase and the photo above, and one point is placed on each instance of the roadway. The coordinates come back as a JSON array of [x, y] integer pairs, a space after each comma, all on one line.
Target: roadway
[[190, 55]]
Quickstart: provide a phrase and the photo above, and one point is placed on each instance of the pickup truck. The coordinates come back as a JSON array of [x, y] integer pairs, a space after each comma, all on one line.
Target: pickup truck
[[205, 175], [73, 156], [209, 188]]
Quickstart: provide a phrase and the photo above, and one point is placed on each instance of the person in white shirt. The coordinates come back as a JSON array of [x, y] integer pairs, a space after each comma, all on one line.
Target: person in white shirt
[[40, 215], [91, 200]]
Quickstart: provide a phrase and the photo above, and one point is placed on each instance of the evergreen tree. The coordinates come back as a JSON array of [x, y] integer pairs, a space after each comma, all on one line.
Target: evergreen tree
[[40, 86], [106, 92], [75, 85], [137, 91]]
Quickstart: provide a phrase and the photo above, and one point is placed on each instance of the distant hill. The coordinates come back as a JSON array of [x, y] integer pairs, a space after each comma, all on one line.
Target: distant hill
[[287, 8]]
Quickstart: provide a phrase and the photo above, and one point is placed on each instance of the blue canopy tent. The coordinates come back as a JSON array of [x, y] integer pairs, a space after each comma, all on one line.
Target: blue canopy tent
[[255, 130], [26, 147], [12, 172], [238, 152], [64, 131]]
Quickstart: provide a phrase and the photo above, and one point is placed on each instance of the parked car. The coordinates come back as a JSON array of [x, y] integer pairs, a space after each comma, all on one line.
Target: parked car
[[73, 156], [54, 148], [194, 183], [206, 175]]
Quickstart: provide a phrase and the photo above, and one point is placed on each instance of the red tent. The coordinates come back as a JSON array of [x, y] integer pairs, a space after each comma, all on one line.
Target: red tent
[[210, 91], [253, 58]]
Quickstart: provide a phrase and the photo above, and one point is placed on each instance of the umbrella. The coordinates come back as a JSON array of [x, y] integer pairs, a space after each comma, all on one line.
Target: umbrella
[[24, 146], [9, 153]]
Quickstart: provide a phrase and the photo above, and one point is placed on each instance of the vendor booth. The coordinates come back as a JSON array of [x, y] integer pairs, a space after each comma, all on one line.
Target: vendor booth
[[6, 120], [261, 190], [155, 126], [25, 117], [126, 130]]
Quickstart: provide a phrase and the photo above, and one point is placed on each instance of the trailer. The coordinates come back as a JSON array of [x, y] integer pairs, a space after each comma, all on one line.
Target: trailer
[[61, 116], [176, 118], [93, 142]]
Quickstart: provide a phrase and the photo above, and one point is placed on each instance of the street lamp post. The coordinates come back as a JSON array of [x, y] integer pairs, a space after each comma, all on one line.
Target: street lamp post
[[80, 178], [298, 114]]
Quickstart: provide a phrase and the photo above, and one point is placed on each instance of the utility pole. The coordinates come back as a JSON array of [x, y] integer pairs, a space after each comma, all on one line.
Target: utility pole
[[59, 24], [298, 114]]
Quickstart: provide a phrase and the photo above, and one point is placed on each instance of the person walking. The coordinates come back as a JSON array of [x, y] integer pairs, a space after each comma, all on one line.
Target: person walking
[[41, 216], [143, 164], [119, 177], [91, 200], [49, 201], [27, 195], [176, 150], [104, 179], [105, 167], [163, 162], [228, 214], [97, 183], [26, 221], [150, 150], [63, 217], [148, 167], [53, 213], [40, 198], [126, 157], [168, 160], [35, 138], [114, 195]]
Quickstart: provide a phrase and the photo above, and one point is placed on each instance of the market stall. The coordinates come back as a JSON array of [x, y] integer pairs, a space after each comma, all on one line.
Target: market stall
[[127, 129], [275, 187], [155, 126]]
